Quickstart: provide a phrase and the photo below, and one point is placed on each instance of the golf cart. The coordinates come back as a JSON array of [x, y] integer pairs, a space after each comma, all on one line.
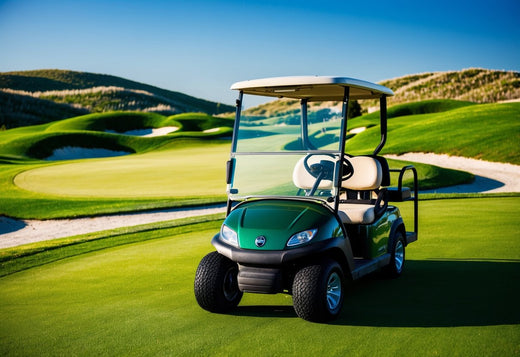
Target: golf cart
[[303, 215]]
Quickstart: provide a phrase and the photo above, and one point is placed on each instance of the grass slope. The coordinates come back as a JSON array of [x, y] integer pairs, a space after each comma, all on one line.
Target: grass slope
[[457, 296], [18, 110], [51, 80], [90, 131], [421, 107], [474, 84], [486, 131]]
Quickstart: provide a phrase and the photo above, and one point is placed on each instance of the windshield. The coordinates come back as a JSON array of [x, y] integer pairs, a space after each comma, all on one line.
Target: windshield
[[282, 150]]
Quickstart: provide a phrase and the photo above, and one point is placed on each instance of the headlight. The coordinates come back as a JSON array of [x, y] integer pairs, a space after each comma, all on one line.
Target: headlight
[[228, 235], [302, 237]]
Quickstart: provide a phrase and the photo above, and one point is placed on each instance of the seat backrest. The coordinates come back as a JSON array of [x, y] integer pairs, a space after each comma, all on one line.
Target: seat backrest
[[385, 181], [304, 179], [367, 174]]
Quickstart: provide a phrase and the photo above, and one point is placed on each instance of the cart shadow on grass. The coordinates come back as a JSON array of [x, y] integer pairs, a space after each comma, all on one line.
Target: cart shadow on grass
[[430, 293]]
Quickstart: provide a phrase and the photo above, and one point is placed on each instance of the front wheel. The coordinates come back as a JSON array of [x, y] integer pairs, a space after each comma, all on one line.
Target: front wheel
[[318, 291], [216, 283]]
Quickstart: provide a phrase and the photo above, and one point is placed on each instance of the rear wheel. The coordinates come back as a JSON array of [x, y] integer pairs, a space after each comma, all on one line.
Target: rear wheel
[[395, 268], [216, 284], [318, 291]]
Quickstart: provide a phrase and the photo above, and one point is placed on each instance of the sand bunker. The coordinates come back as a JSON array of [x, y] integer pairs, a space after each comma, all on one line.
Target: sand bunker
[[357, 130], [74, 152], [213, 130], [148, 132], [15, 232]]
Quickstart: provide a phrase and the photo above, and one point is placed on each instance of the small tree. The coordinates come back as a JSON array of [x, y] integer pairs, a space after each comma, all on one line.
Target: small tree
[[354, 109]]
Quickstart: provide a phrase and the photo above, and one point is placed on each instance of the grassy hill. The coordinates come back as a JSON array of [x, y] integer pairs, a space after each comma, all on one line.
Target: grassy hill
[[470, 85], [489, 132], [475, 85], [20, 110], [41, 96], [108, 131], [35, 97]]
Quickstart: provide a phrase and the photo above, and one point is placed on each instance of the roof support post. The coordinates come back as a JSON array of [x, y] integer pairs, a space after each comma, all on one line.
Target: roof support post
[[342, 142], [305, 126], [382, 122], [231, 163], [237, 121]]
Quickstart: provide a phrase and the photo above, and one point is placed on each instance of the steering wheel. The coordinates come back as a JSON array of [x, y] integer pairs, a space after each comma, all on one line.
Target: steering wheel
[[323, 166], [348, 169], [324, 170]]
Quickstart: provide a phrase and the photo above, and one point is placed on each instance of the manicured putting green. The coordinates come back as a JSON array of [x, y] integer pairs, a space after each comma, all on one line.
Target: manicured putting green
[[180, 172]]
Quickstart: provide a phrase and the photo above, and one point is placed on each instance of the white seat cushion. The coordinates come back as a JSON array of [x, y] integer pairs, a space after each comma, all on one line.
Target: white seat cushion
[[356, 213], [367, 174]]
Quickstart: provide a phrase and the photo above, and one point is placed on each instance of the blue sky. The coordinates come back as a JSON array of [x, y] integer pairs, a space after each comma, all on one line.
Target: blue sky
[[201, 47]]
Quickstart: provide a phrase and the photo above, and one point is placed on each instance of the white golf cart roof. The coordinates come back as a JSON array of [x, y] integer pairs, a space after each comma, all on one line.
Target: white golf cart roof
[[312, 88]]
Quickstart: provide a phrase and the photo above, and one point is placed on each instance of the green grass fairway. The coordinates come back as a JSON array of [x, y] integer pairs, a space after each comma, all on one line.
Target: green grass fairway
[[458, 296]]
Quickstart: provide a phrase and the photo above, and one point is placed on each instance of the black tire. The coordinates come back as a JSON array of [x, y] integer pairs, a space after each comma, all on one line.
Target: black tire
[[397, 258], [318, 291], [216, 284]]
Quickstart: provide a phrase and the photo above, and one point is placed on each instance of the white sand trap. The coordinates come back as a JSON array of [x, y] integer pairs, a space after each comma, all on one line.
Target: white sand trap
[[358, 130], [16, 232], [74, 152], [148, 132], [212, 130]]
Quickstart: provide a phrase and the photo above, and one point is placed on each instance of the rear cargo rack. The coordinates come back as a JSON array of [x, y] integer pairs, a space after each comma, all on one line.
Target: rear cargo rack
[[403, 194]]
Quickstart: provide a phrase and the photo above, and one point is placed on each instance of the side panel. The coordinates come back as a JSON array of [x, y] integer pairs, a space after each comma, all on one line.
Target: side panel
[[379, 233]]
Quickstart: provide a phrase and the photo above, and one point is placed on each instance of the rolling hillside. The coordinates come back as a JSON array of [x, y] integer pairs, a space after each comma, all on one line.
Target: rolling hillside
[[474, 85], [470, 85], [41, 96], [36, 97]]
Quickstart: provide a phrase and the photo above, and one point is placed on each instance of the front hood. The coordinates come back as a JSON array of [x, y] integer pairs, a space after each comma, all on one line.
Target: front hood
[[278, 220]]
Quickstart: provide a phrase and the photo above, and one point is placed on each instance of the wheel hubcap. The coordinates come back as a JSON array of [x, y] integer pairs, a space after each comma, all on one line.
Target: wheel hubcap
[[230, 285], [333, 291], [399, 255]]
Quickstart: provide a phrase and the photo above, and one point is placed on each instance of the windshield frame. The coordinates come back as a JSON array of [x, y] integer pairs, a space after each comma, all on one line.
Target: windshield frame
[[307, 149]]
